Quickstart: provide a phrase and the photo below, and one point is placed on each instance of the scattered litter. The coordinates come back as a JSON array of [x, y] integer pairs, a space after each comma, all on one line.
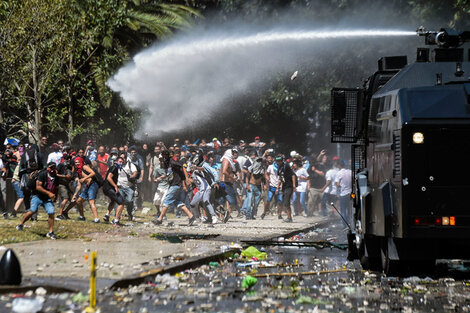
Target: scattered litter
[[253, 252], [80, 298], [26, 305], [249, 281]]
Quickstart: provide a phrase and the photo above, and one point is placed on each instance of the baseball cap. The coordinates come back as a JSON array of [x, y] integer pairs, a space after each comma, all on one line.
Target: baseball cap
[[214, 139], [257, 138]]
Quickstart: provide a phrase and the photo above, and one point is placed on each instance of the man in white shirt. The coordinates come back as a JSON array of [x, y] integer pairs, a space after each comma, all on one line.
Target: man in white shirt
[[343, 182], [301, 190], [330, 191], [127, 175], [272, 182], [56, 155]]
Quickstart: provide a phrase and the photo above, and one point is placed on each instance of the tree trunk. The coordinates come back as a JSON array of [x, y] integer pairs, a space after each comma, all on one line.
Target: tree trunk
[[37, 105], [70, 135]]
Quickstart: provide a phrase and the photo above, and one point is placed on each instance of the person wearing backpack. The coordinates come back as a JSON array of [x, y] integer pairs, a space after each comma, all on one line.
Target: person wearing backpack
[[112, 190], [31, 160], [91, 181], [44, 194]]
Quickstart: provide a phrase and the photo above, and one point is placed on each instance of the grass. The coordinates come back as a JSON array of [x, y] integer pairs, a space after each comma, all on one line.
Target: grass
[[69, 229]]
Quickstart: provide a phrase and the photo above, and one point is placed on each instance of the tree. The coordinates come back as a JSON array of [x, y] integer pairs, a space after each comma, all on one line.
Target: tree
[[72, 48]]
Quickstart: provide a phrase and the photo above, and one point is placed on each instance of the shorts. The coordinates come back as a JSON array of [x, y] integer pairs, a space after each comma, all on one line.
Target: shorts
[[159, 196], [272, 193], [46, 203], [19, 192], [286, 195], [89, 191], [64, 192], [174, 197], [113, 196]]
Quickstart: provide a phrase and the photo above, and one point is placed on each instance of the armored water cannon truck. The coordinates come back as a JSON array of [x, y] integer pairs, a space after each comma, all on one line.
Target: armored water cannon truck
[[409, 130]]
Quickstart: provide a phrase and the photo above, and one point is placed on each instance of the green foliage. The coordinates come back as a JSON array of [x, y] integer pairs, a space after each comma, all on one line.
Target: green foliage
[[56, 56]]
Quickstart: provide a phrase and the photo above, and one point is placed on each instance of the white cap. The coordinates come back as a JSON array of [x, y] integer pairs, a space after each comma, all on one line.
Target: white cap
[[293, 153]]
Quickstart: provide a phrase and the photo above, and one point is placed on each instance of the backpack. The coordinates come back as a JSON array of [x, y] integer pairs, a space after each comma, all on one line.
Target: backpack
[[32, 179], [138, 169], [32, 162], [98, 178]]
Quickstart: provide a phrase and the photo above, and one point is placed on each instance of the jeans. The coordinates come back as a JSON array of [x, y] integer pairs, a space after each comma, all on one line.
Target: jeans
[[174, 197], [327, 198], [46, 203], [345, 205], [253, 197], [19, 192], [89, 191], [302, 196], [272, 193], [231, 195], [128, 194]]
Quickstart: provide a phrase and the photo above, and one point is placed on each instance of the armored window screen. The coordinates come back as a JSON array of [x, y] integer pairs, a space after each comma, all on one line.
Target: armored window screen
[[345, 109], [358, 161], [397, 153]]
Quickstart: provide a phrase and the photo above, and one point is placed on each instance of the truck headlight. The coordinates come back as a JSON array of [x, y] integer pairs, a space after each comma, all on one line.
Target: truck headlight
[[418, 138]]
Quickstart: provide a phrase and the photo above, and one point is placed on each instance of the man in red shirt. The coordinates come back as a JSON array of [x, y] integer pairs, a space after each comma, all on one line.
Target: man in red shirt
[[102, 160]]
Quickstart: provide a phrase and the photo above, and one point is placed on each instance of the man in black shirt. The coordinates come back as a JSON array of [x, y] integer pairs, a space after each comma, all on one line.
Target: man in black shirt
[[288, 182], [111, 189], [44, 195], [175, 195], [316, 174]]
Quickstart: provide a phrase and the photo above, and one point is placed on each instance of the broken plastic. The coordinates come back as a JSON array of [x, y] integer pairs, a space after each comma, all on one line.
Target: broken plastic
[[251, 252], [25, 305], [249, 281]]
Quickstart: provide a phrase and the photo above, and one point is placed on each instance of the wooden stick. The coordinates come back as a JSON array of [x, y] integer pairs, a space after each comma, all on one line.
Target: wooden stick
[[299, 274]]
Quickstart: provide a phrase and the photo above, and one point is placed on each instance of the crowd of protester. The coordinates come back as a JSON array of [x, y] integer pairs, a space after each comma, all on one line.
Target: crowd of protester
[[210, 182]]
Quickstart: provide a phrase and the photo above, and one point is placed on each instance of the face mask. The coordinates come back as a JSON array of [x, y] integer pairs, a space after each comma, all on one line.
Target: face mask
[[133, 157], [51, 172], [118, 165]]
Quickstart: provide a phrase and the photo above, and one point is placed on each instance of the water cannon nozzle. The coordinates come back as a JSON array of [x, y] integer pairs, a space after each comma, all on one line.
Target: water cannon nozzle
[[445, 37]]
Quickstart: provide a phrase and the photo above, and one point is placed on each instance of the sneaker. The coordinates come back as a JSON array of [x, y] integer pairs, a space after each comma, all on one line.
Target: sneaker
[[51, 235], [262, 216], [207, 221], [215, 220], [130, 217], [65, 215], [60, 217], [191, 221], [81, 218], [279, 217], [106, 218], [19, 227], [115, 223], [226, 216], [34, 219], [288, 220], [304, 215], [5, 215], [96, 220], [157, 222], [13, 214]]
